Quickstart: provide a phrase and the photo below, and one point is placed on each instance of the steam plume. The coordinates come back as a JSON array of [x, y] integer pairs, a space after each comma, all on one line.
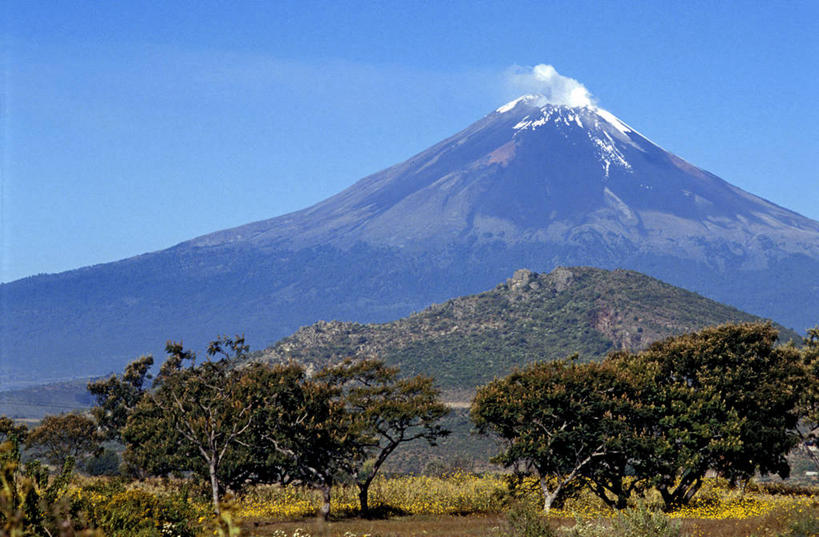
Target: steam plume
[[544, 80]]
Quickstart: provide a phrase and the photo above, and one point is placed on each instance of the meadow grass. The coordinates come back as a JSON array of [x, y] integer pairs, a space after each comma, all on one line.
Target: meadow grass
[[469, 505]]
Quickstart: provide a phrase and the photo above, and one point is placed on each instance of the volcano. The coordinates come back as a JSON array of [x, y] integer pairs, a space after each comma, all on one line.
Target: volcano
[[532, 184]]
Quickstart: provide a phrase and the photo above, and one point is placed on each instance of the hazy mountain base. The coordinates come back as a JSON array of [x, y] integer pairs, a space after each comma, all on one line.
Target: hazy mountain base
[[36, 402], [93, 322]]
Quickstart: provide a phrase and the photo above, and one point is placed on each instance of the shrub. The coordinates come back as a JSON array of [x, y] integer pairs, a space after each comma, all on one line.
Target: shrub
[[632, 522], [805, 525], [641, 521], [139, 513], [106, 463], [526, 520]]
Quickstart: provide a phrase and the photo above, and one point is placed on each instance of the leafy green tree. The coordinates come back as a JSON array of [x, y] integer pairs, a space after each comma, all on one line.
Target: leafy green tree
[[198, 406], [59, 438], [724, 398], [560, 419], [808, 428], [304, 432], [10, 430], [152, 448], [277, 397], [118, 396], [390, 411], [620, 472]]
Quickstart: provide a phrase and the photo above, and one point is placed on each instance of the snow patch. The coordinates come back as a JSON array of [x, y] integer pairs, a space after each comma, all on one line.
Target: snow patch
[[522, 99], [614, 121], [614, 201], [609, 154]]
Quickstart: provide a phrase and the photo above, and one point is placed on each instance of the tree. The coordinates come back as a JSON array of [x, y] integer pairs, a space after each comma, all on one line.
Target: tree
[[560, 419], [153, 448], [303, 432], [724, 398], [199, 405], [59, 438], [277, 397], [808, 429], [11, 431], [118, 396], [390, 412]]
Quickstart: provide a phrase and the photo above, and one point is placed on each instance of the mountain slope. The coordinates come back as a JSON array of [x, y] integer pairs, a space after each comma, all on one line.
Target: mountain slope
[[467, 341], [529, 185], [541, 173]]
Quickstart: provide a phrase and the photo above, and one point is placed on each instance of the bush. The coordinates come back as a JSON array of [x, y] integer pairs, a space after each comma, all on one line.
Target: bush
[[806, 525], [641, 521], [633, 522], [106, 463], [139, 513], [527, 521]]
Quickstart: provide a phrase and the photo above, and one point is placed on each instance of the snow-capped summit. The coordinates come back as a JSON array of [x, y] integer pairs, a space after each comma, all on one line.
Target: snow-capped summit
[[535, 171], [548, 109], [530, 99]]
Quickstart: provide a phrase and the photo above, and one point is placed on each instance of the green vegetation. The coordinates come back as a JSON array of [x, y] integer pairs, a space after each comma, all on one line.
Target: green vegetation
[[236, 426], [564, 421], [59, 438], [637, 521], [531, 317], [216, 442], [390, 412], [724, 399]]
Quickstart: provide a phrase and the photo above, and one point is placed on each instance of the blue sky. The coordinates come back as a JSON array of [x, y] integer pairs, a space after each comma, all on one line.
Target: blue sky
[[130, 127]]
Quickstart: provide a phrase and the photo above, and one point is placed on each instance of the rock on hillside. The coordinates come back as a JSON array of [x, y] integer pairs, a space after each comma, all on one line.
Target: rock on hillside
[[469, 340]]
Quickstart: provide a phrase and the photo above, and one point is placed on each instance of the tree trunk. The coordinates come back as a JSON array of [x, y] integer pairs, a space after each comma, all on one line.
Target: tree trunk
[[363, 498], [621, 496], [214, 485], [325, 506], [549, 497], [682, 494]]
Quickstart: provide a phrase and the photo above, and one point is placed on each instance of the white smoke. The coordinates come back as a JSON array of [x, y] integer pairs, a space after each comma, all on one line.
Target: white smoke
[[543, 79]]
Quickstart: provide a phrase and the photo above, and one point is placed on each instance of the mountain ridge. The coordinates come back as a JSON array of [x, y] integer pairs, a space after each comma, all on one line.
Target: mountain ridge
[[468, 340]]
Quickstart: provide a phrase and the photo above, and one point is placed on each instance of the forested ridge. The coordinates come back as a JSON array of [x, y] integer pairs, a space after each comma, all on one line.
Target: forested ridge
[[530, 317]]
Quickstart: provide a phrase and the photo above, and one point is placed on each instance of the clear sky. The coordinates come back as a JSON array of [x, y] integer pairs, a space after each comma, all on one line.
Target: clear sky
[[128, 127]]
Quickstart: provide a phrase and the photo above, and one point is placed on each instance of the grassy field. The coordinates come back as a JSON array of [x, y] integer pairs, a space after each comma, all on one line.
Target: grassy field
[[495, 525], [471, 506]]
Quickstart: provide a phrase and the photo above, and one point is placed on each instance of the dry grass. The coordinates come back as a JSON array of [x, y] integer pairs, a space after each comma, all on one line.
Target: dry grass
[[473, 506], [493, 525], [484, 526], [415, 526]]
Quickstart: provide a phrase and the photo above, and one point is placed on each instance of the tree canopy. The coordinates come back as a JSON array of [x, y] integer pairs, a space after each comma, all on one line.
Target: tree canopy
[[388, 411], [560, 419], [117, 396], [201, 407], [59, 438], [724, 398], [236, 423]]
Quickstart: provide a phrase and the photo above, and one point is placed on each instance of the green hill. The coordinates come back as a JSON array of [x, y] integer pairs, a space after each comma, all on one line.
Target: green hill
[[468, 341]]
